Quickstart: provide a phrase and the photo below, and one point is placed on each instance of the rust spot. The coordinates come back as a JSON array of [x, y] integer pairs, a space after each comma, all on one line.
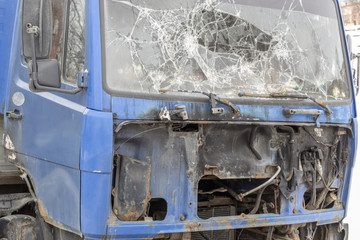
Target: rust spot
[[191, 226], [131, 215], [225, 225], [112, 220], [250, 219], [47, 218], [336, 218], [340, 132]]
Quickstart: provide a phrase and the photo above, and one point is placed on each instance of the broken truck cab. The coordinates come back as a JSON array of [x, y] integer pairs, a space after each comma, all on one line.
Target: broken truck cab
[[186, 119]]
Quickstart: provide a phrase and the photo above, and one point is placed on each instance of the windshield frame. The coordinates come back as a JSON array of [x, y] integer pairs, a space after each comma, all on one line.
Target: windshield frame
[[237, 100]]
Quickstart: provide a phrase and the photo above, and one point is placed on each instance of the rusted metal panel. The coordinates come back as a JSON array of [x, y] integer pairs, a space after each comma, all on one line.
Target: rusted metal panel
[[47, 218], [182, 156], [132, 192], [120, 230]]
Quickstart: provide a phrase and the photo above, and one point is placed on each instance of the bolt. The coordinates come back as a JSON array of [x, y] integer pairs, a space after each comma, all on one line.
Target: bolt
[[182, 217]]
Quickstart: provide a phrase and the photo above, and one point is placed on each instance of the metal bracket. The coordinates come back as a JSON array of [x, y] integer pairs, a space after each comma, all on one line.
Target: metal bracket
[[215, 110], [164, 114], [313, 112], [83, 79], [14, 114], [30, 29], [180, 111], [210, 170]]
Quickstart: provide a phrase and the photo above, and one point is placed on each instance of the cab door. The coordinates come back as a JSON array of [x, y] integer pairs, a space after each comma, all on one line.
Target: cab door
[[43, 128]]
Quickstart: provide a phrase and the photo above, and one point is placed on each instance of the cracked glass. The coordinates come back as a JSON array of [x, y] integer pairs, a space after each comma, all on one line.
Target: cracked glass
[[224, 47]]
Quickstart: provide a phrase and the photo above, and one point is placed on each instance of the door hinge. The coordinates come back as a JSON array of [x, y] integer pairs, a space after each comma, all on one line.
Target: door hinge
[[83, 79]]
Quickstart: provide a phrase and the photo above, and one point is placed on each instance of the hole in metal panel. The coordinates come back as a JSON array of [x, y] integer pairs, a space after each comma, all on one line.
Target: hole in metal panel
[[157, 209]]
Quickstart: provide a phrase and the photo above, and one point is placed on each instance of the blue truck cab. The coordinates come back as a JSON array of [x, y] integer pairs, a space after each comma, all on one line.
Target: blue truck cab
[[188, 119]]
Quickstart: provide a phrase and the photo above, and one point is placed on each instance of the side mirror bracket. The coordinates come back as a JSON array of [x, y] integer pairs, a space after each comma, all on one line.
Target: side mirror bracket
[[44, 69]]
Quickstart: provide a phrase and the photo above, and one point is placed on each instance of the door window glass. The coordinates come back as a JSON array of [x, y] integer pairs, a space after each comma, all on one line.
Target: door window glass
[[68, 43]]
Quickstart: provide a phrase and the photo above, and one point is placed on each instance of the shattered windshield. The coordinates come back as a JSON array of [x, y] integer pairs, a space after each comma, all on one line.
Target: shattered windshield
[[224, 47]]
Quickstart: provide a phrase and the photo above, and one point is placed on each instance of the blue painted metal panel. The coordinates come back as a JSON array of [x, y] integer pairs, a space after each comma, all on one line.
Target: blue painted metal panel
[[97, 142], [7, 21], [137, 230], [57, 189], [129, 108], [51, 124], [47, 140], [96, 165], [97, 98], [95, 204]]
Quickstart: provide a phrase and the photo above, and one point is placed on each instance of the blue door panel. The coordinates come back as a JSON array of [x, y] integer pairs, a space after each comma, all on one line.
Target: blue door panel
[[57, 189], [51, 124], [47, 140], [50, 127]]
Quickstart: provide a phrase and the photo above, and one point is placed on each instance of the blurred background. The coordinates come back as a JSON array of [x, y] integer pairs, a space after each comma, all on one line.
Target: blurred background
[[351, 16]]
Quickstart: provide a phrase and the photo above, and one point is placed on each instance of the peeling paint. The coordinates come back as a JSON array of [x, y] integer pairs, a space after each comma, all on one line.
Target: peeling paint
[[10, 146], [112, 220], [47, 218]]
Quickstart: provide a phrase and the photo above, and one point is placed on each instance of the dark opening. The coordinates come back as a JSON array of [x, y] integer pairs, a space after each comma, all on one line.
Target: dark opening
[[157, 209], [185, 127], [217, 197], [13, 188], [323, 199]]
